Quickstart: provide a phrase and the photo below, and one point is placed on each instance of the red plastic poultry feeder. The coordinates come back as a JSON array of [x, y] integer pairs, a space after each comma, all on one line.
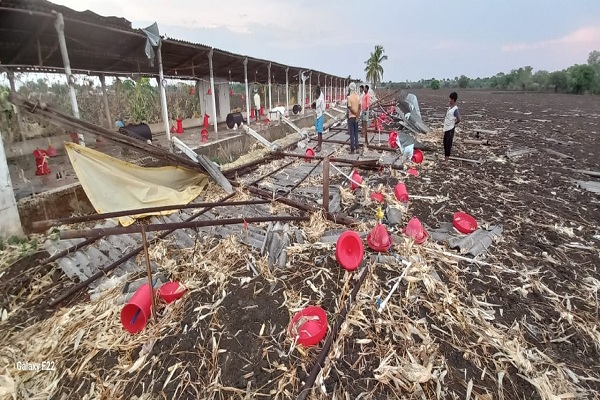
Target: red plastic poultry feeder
[[349, 250], [464, 223], [309, 326]]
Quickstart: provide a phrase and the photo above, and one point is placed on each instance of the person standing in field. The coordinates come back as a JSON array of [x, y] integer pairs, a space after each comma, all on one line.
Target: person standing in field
[[320, 110], [256, 105], [353, 115], [450, 121], [364, 108]]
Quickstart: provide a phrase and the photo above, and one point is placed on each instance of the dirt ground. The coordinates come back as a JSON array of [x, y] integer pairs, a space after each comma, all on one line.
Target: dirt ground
[[522, 326]]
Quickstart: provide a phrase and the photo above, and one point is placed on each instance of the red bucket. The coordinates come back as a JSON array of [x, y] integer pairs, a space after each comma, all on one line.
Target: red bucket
[[401, 193], [349, 250], [135, 314]]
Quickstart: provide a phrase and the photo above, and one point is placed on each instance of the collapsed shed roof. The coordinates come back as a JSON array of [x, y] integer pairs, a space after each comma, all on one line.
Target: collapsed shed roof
[[109, 45]]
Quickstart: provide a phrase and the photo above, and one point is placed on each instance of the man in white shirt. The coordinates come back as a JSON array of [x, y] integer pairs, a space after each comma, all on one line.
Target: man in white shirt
[[256, 105], [450, 121], [320, 110]]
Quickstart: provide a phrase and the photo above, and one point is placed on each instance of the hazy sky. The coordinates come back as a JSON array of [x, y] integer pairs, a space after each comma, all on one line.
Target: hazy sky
[[423, 39]]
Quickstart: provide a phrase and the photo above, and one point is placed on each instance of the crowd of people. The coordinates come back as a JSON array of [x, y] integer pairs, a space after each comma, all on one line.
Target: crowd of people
[[358, 108]]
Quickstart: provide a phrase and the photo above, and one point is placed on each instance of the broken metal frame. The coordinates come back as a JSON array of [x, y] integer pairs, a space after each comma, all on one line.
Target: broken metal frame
[[116, 214], [107, 269]]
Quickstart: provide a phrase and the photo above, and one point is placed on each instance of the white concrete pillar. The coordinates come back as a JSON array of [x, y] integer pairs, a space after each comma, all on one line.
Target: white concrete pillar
[[163, 95], [270, 89], [10, 223], [303, 93], [59, 24], [298, 99], [325, 92], [212, 90], [247, 90], [331, 88], [287, 89], [310, 92]]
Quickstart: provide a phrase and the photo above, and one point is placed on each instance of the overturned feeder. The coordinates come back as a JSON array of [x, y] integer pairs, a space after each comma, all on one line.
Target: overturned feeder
[[234, 119]]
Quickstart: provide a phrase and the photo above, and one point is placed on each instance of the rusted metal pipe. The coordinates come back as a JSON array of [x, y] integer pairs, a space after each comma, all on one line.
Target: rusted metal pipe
[[94, 217], [338, 219], [120, 230], [338, 160]]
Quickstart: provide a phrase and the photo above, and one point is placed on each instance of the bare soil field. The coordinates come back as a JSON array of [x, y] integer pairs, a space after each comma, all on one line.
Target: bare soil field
[[520, 322]]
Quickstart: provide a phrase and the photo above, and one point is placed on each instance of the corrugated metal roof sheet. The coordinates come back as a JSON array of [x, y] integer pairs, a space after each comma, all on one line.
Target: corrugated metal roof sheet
[[110, 45]]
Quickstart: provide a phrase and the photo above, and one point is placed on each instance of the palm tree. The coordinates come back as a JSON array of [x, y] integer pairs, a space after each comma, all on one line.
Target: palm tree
[[373, 66]]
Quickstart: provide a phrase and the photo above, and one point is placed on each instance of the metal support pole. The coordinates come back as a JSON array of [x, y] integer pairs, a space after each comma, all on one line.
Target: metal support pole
[[326, 184], [331, 87], [59, 24], [270, 88], [310, 89], [303, 94], [163, 96], [325, 92], [287, 90], [212, 89], [247, 90], [299, 101], [105, 100], [13, 90]]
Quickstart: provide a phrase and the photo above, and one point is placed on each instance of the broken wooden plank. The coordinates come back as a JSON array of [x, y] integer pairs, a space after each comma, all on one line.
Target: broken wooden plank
[[520, 152]]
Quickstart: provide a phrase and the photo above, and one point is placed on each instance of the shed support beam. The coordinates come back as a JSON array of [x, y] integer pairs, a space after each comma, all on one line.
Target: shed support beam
[[13, 90], [105, 99], [303, 93], [287, 90], [325, 92], [299, 96], [270, 88], [10, 223], [212, 89], [59, 24], [331, 87], [162, 83], [247, 90], [310, 89]]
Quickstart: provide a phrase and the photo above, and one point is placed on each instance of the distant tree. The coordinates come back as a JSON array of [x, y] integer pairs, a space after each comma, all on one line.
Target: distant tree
[[581, 78], [541, 79], [463, 82], [523, 77], [560, 81], [434, 84], [373, 67], [594, 58]]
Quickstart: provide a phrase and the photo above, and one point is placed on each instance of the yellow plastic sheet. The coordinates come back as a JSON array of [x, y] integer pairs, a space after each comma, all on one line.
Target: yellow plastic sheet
[[114, 185]]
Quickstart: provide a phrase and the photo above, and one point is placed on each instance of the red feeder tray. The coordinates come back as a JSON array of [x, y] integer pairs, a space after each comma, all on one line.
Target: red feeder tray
[[464, 223], [418, 156], [171, 291], [309, 326], [376, 196], [412, 172], [349, 250], [356, 178], [310, 153]]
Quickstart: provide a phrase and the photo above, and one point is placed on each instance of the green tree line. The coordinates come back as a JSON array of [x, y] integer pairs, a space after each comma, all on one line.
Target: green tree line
[[577, 79]]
